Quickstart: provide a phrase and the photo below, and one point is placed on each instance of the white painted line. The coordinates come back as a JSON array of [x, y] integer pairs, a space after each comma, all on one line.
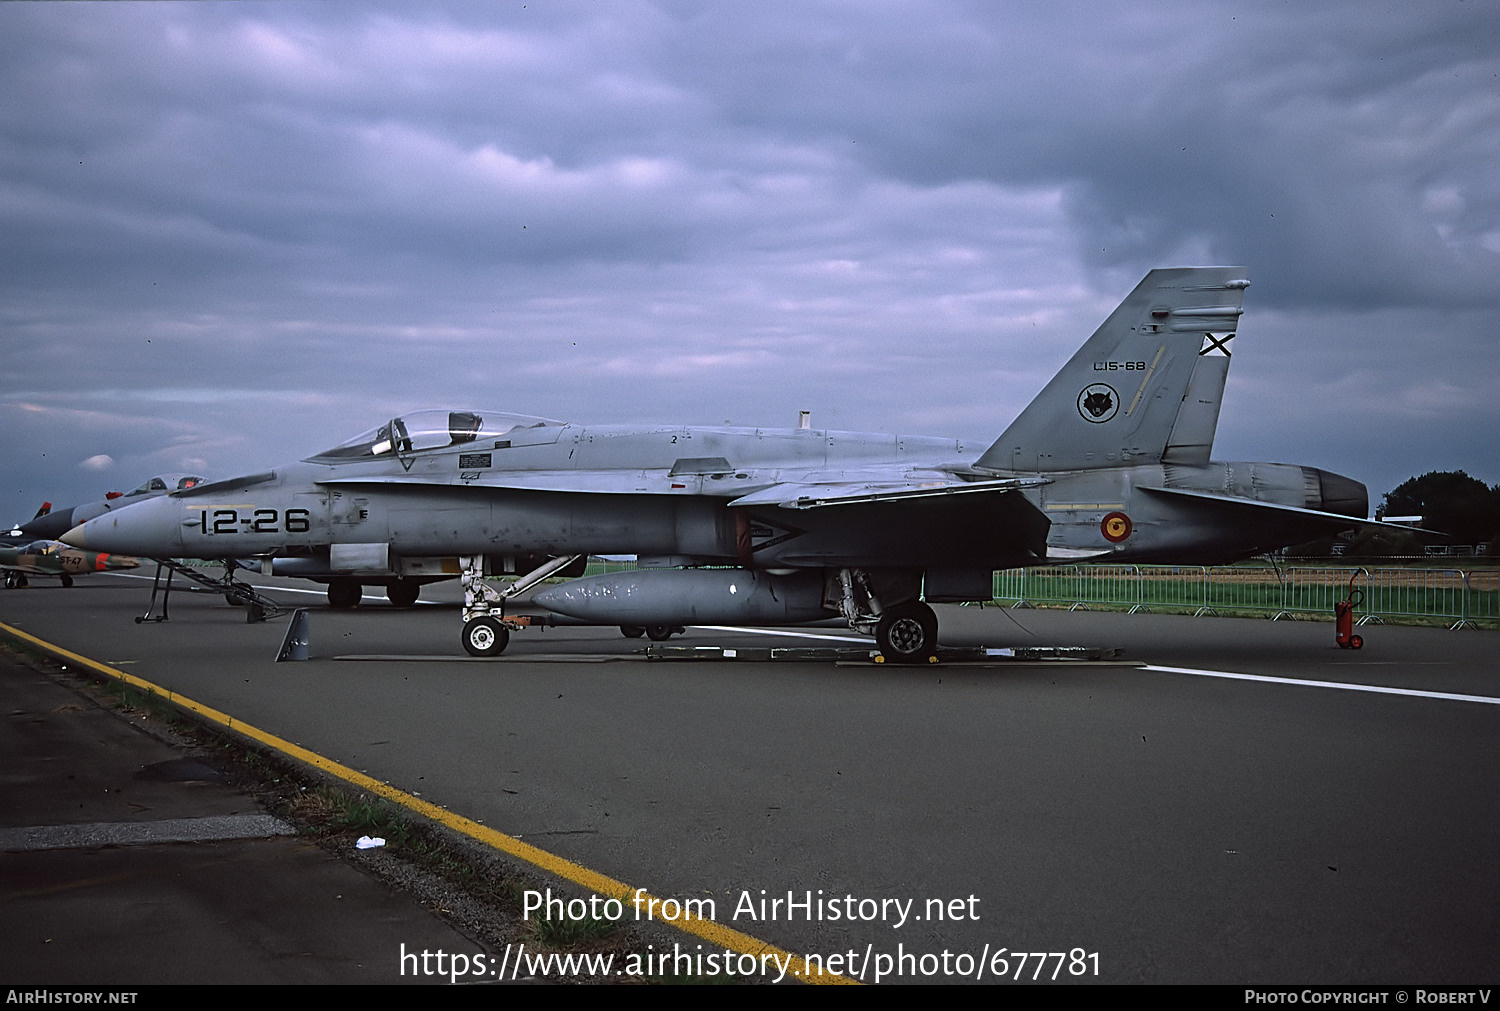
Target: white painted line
[[199, 589], [851, 640], [142, 833], [293, 590], [1378, 689]]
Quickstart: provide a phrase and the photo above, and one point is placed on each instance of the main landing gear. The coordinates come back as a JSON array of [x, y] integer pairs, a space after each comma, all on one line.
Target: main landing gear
[[656, 633], [344, 594], [486, 628], [906, 632], [403, 592]]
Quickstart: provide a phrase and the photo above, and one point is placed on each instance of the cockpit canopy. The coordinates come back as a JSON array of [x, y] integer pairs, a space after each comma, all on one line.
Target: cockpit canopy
[[166, 482], [424, 430]]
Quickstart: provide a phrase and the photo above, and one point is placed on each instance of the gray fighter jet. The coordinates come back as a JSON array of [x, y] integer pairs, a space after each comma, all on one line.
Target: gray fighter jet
[[767, 526]]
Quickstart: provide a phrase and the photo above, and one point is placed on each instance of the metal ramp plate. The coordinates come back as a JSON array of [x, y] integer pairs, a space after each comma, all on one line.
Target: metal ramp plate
[[869, 654]]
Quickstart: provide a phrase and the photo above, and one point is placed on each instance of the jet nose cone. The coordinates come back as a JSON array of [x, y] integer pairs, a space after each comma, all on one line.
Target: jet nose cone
[[146, 529]]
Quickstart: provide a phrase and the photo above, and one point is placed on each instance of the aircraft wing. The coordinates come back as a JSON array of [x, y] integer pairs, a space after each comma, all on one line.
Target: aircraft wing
[[806, 492], [864, 517], [592, 482], [815, 494]]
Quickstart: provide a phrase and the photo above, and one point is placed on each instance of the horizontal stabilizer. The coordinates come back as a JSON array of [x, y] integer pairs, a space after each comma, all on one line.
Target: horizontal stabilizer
[[1333, 522]]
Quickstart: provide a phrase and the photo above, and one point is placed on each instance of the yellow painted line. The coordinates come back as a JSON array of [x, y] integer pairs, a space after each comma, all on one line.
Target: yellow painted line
[[709, 930]]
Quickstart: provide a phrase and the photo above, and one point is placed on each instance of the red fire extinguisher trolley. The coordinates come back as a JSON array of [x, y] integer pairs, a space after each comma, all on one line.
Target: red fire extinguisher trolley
[[1343, 616]]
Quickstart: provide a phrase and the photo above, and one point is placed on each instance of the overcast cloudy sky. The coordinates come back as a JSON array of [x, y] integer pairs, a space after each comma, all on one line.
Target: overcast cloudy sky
[[234, 234]]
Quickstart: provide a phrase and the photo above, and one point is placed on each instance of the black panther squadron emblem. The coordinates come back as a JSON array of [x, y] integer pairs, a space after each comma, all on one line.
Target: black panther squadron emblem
[[1098, 403]]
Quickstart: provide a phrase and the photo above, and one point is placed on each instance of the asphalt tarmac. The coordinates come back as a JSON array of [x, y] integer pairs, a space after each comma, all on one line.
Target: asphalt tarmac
[[1332, 820], [124, 863]]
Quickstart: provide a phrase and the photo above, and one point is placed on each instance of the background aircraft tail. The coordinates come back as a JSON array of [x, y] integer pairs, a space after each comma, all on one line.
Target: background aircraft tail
[[1145, 388]]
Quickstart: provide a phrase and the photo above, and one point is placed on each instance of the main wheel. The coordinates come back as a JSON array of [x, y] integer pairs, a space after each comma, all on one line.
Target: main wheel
[[402, 593], [486, 637], [907, 633], [632, 631], [659, 633], [67, 580], [344, 594]]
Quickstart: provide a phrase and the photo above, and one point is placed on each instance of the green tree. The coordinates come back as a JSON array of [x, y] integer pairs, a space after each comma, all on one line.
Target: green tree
[[1449, 501]]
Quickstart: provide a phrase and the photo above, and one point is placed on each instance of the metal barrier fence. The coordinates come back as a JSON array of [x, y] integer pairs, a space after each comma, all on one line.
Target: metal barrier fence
[[1459, 597]]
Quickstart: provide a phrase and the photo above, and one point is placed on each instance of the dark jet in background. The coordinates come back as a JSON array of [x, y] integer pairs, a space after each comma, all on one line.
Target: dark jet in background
[[50, 524]]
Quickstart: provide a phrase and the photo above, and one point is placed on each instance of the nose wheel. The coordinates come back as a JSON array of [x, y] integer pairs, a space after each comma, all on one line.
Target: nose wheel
[[486, 637]]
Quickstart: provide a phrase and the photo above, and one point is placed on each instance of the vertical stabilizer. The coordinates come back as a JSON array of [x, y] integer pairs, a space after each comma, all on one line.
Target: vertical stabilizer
[[1145, 388], [1192, 437]]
